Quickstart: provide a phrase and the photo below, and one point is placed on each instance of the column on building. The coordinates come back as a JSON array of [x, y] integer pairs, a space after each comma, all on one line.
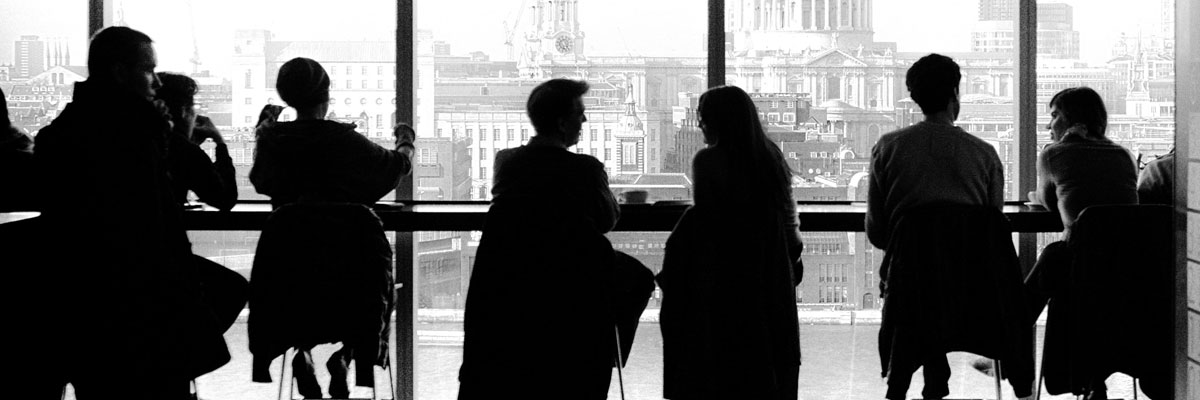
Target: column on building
[[825, 15], [852, 10], [869, 13]]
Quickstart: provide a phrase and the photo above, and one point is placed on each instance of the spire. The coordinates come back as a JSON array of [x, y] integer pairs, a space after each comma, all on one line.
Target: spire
[[630, 103]]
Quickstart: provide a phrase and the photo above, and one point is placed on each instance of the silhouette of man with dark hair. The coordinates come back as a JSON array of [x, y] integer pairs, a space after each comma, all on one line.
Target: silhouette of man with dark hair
[[137, 325], [932, 162], [543, 256]]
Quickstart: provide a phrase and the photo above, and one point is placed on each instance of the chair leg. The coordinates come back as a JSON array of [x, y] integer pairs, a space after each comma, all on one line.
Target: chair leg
[[282, 373], [996, 369], [1037, 391], [1135, 388], [620, 376]]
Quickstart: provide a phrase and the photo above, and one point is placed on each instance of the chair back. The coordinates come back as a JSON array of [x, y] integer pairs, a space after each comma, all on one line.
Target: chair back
[[322, 273], [1115, 312], [951, 281]]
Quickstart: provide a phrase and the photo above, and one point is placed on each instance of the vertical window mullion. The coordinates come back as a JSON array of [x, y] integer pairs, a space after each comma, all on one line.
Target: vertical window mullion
[[404, 360], [716, 43]]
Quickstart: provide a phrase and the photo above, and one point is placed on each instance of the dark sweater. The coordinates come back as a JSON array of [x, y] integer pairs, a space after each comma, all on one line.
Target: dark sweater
[[929, 163], [215, 183], [1078, 172], [552, 173], [319, 160]]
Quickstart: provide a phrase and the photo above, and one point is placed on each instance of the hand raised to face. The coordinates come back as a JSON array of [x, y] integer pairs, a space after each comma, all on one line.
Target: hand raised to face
[[164, 112], [204, 130]]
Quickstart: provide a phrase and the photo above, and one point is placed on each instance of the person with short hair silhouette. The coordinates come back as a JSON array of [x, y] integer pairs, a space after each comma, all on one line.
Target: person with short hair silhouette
[[214, 182], [1080, 168], [543, 256], [732, 263], [16, 164], [932, 162], [138, 326]]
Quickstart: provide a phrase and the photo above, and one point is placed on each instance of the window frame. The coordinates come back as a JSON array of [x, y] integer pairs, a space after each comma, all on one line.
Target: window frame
[[101, 14]]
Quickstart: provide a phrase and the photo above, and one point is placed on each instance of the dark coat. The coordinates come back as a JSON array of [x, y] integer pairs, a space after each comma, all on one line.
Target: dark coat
[[1114, 313], [322, 274], [729, 322], [539, 317], [103, 178], [952, 282], [319, 160], [16, 170], [215, 183]]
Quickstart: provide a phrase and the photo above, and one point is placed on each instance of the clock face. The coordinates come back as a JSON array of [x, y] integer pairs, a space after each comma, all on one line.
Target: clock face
[[563, 44]]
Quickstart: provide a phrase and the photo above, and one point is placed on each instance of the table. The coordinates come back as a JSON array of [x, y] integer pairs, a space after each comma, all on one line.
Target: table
[[659, 217]]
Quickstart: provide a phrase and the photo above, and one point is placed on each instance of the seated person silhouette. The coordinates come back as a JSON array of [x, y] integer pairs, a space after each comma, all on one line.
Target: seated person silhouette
[[543, 258], [732, 265], [214, 182], [932, 163], [321, 175], [1156, 183], [1080, 168], [16, 164], [133, 285]]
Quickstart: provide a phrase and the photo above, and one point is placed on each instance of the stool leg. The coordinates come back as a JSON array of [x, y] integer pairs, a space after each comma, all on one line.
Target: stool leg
[[282, 373], [996, 368]]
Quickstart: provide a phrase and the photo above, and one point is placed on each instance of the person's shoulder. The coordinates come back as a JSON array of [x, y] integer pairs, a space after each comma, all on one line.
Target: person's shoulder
[[585, 160], [708, 156], [899, 134]]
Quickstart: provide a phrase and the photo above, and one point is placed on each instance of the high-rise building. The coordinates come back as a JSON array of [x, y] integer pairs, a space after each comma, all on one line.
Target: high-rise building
[[1056, 34], [997, 10], [29, 57]]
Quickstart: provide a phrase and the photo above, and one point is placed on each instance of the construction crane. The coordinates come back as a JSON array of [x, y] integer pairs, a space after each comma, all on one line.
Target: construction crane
[[510, 31], [195, 60]]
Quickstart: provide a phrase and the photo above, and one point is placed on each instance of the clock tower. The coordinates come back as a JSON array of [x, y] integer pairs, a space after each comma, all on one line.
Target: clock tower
[[553, 34]]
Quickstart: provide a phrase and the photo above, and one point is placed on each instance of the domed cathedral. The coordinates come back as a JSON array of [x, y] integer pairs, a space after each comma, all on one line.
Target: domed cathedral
[[824, 50], [793, 26]]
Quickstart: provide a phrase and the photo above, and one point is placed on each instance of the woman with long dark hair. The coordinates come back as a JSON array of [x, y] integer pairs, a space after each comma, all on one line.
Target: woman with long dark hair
[[728, 317]]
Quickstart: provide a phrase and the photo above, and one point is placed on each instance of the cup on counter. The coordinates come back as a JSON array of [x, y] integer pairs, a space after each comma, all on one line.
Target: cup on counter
[[634, 197]]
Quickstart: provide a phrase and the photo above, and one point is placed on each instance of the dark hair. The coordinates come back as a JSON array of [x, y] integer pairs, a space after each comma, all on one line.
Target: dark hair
[[111, 46], [1082, 105], [302, 83], [729, 120], [178, 91], [932, 82], [551, 100]]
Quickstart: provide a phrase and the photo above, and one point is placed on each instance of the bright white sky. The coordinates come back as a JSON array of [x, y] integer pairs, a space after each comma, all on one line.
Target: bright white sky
[[613, 27]]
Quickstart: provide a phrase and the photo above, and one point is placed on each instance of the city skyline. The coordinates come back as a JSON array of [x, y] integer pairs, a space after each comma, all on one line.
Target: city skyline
[[1099, 23]]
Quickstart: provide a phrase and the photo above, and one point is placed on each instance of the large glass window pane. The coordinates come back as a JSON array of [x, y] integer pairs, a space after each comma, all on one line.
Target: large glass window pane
[[233, 50], [472, 84], [235, 56], [43, 52], [828, 77], [471, 90], [1126, 54]]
